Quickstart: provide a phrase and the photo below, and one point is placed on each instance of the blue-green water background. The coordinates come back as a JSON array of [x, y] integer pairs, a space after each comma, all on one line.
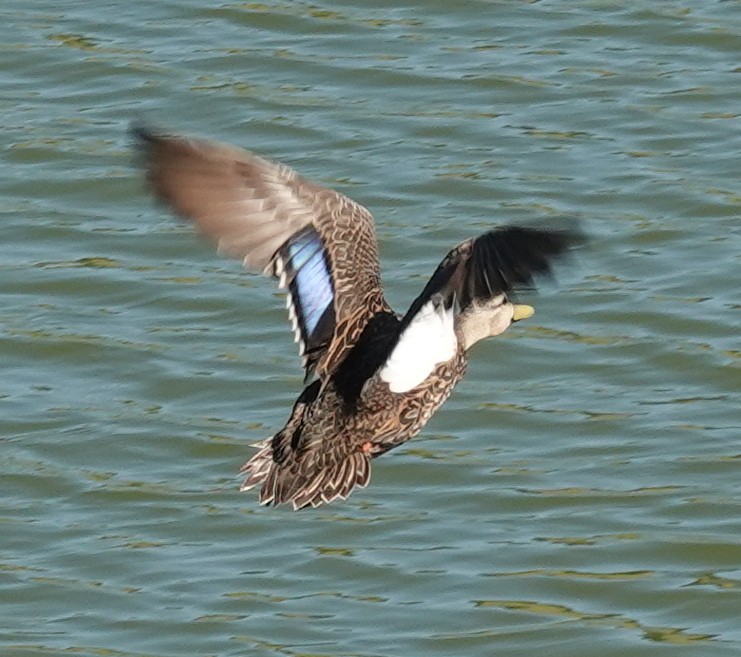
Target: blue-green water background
[[578, 494]]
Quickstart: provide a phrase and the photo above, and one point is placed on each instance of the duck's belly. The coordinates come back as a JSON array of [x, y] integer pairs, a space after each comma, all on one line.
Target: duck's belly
[[387, 419]]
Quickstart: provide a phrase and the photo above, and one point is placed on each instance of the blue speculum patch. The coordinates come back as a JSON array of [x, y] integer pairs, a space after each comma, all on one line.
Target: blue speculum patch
[[312, 282]]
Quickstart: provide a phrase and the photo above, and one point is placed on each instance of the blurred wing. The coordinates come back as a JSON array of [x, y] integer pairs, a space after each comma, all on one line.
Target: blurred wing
[[319, 244], [501, 261]]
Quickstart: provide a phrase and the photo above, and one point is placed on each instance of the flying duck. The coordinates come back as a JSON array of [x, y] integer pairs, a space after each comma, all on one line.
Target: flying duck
[[374, 377]]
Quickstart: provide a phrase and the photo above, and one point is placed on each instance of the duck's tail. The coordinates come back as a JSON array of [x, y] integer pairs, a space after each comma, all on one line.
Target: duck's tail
[[305, 479]]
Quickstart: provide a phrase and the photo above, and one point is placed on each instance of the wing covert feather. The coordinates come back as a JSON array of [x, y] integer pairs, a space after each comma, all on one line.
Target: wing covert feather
[[264, 213]]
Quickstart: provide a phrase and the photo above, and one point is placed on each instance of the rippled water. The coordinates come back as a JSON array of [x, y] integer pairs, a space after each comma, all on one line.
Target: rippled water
[[579, 493]]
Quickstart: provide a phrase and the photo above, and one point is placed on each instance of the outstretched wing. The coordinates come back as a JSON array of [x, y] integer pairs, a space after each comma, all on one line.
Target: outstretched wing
[[319, 244], [501, 261], [478, 273]]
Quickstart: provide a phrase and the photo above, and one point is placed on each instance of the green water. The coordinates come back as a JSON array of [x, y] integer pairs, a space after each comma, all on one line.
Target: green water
[[579, 493]]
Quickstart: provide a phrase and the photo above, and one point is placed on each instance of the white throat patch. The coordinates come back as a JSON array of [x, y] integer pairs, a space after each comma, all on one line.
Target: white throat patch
[[428, 341]]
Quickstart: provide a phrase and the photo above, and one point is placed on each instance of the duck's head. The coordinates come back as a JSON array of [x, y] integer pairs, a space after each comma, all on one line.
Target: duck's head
[[492, 317]]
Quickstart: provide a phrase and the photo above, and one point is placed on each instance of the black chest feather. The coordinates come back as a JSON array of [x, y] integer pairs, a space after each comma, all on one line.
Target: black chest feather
[[368, 354]]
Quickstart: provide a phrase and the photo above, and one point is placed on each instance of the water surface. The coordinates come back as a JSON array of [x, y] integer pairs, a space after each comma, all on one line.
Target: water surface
[[580, 488]]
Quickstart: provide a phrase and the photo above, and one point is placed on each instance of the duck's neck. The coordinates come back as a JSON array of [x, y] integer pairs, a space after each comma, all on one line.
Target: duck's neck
[[483, 321]]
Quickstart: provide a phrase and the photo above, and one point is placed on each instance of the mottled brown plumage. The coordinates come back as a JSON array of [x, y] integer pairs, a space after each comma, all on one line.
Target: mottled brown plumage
[[380, 376]]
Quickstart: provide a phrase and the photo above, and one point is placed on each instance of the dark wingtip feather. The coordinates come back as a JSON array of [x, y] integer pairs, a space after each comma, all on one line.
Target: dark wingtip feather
[[510, 258], [500, 261], [139, 131], [144, 140], [142, 135], [149, 142]]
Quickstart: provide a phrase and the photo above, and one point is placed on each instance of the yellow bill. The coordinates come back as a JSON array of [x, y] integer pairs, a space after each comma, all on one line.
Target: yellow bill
[[522, 312]]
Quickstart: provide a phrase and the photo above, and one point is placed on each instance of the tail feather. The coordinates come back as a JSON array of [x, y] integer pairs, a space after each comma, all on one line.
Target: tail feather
[[258, 467], [309, 483]]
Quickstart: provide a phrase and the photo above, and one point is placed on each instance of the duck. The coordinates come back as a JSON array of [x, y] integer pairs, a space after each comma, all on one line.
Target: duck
[[373, 377]]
